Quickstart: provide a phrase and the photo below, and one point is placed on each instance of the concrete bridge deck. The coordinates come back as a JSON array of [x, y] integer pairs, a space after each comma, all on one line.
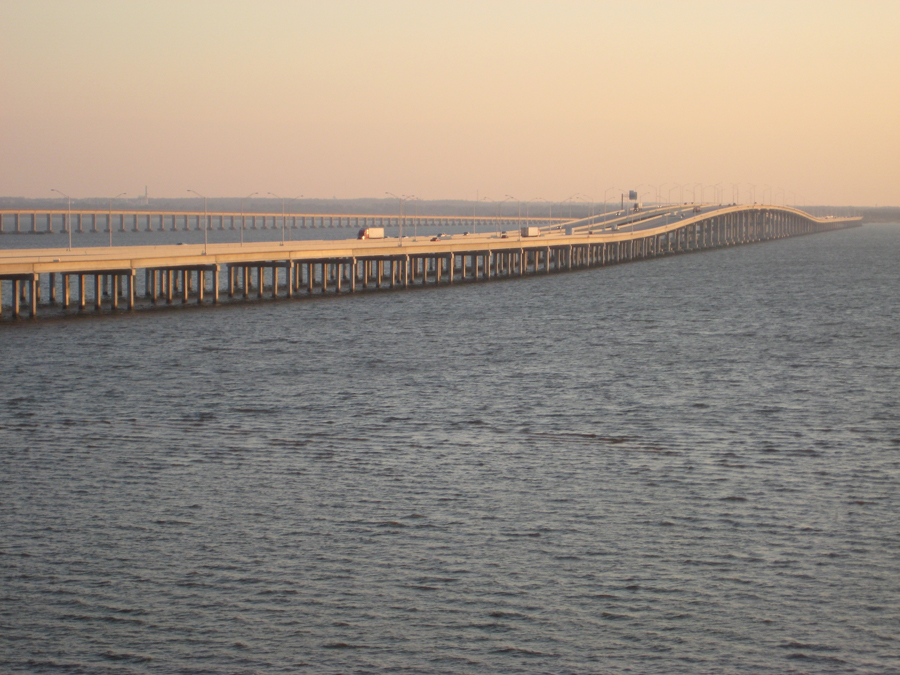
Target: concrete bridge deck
[[208, 273]]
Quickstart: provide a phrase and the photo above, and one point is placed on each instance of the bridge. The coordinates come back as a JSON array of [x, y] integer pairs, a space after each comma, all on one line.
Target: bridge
[[50, 221], [110, 279]]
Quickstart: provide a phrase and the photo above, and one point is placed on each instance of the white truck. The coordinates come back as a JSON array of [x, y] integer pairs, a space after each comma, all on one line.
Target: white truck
[[370, 233], [531, 232]]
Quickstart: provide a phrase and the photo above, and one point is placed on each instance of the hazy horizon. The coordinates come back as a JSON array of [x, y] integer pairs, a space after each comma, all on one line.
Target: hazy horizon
[[452, 100]]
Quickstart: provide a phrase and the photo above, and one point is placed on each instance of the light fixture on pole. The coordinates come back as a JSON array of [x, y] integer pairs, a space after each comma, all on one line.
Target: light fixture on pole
[[400, 201], [205, 223], [570, 205], [519, 216], [606, 192], [474, 210], [591, 200], [416, 220], [283, 215], [409, 198], [541, 199], [68, 215], [242, 214], [399, 214], [109, 216], [676, 186], [500, 204], [775, 196]]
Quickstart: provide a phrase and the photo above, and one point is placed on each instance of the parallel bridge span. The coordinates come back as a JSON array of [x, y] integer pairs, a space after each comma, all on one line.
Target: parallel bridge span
[[109, 279], [50, 221]]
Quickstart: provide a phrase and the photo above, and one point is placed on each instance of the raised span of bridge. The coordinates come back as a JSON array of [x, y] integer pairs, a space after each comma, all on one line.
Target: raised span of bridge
[[109, 279]]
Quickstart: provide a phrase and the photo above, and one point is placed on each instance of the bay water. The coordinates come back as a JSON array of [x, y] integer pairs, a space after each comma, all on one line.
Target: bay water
[[684, 465]]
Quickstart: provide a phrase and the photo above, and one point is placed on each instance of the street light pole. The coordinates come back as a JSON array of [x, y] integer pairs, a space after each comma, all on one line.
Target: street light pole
[[500, 209], [68, 215], [570, 205], [400, 201], [519, 216], [541, 199], [205, 223], [242, 214], [416, 221], [283, 213], [399, 215], [606, 192], [109, 222], [475, 212], [477, 202], [674, 187], [409, 198]]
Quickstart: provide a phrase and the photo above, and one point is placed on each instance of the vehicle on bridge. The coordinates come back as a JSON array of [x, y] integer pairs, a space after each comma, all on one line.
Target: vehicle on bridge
[[370, 233]]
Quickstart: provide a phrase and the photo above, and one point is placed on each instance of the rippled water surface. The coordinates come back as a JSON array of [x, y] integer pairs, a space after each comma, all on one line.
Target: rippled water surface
[[687, 465]]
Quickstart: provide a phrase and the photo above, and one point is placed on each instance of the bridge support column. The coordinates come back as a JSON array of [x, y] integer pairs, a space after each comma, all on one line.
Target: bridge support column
[[201, 285], [98, 292], [131, 283], [114, 296], [15, 298], [33, 293]]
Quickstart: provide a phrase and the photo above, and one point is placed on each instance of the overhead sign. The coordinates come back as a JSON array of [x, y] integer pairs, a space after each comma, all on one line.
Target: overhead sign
[[632, 194]]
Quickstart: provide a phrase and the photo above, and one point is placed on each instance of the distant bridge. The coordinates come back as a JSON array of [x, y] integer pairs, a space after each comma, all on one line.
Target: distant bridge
[[50, 221], [62, 281]]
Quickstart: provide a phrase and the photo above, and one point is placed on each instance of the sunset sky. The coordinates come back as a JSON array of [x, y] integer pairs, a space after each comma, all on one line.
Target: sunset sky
[[446, 100]]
